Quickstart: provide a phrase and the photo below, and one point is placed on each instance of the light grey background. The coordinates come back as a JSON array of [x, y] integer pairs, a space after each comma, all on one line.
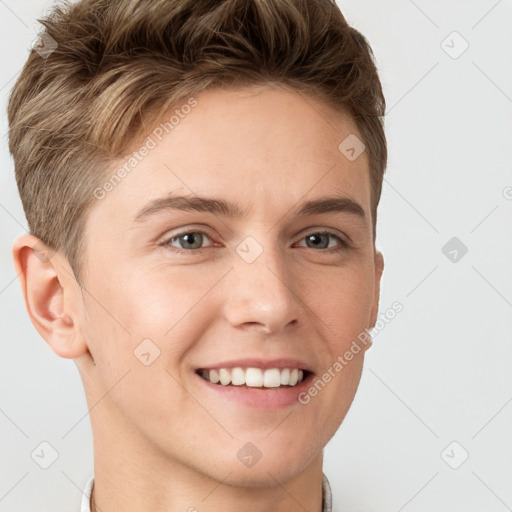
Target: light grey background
[[439, 372]]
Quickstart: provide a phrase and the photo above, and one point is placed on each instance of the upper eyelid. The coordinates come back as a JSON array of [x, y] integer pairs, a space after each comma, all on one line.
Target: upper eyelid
[[202, 231]]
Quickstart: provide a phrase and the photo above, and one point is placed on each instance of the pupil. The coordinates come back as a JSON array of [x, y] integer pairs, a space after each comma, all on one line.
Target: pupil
[[189, 239], [311, 238]]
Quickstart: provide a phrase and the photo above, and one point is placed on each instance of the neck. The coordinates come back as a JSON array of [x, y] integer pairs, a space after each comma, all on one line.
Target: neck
[[134, 475], [131, 496]]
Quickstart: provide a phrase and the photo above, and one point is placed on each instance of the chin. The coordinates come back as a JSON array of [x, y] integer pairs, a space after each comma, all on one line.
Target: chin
[[268, 466], [268, 475]]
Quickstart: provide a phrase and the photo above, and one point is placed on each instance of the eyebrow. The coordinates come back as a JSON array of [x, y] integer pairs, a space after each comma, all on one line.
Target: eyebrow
[[336, 204]]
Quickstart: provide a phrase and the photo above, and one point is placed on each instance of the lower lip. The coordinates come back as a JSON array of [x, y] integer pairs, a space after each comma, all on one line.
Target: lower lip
[[262, 398]]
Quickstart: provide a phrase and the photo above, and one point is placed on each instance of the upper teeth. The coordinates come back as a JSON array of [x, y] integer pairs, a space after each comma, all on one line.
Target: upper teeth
[[255, 377]]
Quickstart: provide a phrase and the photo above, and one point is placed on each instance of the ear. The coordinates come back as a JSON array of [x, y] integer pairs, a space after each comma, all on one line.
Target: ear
[[51, 293], [379, 267]]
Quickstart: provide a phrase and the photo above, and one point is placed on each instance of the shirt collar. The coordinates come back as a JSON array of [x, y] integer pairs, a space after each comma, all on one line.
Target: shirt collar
[[326, 495], [85, 505]]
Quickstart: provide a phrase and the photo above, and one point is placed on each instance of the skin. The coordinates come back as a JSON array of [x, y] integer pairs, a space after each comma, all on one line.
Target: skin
[[159, 443]]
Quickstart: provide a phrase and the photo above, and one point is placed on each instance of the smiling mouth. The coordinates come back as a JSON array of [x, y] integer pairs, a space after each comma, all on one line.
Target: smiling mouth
[[254, 377]]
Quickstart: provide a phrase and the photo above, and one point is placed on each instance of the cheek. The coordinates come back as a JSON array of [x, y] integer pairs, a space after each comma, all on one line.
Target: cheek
[[342, 300], [344, 387], [150, 303], [137, 351], [157, 312]]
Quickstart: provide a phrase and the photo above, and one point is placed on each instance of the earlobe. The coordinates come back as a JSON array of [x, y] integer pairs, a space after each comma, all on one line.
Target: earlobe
[[49, 294], [379, 268]]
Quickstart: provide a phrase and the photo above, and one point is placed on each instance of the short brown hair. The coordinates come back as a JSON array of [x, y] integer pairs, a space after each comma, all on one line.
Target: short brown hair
[[119, 65]]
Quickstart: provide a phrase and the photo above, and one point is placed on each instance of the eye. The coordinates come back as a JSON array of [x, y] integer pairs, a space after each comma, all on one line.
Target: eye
[[320, 240], [187, 241]]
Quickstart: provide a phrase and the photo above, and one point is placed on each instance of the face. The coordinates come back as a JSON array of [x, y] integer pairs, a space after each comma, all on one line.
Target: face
[[257, 279]]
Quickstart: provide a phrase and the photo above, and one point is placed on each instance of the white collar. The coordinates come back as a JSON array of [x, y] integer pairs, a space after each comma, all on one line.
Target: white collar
[[85, 505]]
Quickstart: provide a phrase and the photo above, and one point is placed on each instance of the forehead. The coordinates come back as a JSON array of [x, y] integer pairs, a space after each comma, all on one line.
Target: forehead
[[254, 146]]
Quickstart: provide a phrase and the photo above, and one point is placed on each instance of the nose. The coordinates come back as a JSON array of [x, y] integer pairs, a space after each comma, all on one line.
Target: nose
[[259, 293]]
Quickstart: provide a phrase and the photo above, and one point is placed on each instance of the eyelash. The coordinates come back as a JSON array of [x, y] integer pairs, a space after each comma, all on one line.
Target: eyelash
[[343, 245]]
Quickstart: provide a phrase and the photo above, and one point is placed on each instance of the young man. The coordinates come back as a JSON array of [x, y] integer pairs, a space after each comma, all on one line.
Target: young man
[[201, 182]]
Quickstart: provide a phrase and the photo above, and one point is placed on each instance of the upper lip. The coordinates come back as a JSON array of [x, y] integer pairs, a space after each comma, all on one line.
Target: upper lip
[[264, 364]]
